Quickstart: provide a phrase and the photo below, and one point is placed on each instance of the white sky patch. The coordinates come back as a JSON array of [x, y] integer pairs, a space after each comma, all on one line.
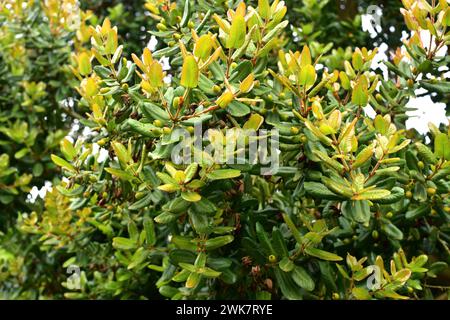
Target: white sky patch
[[371, 20], [368, 111], [35, 192], [427, 111], [152, 43], [379, 59]]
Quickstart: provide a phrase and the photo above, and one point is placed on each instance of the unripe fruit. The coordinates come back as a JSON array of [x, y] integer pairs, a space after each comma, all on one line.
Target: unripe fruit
[[191, 25], [282, 95], [433, 212], [177, 36], [410, 83], [139, 195], [295, 130], [102, 142], [379, 97], [389, 215], [269, 97], [408, 194], [304, 139], [158, 123], [171, 43], [263, 111], [161, 27], [335, 296], [375, 234], [216, 89], [125, 86], [447, 209], [272, 258], [420, 164], [431, 191], [233, 65], [167, 130], [176, 102], [190, 129]]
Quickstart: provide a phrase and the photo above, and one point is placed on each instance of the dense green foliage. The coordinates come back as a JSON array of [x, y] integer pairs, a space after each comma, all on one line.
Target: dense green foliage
[[353, 195]]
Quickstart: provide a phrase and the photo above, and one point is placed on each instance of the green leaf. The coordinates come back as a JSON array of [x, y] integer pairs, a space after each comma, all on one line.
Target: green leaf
[[363, 157], [288, 287], [318, 190], [264, 8], [307, 76], [321, 254], [361, 293], [263, 238], [223, 174], [217, 242], [442, 146], [193, 280], [392, 231], [149, 229], [141, 203], [418, 212], [238, 109], [359, 210], [67, 149], [286, 264], [62, 163], [425, 153], [396, 195], [360, 94], [138, 257], [238, 29], [254, 122], [373, 194], [190, 172], [123, 243], [200, 222], [203, 46], [441, 86], [295, 233], [191, 196], [302, 278], [165, 217], [402, 275], [208, 272], [189, 72]]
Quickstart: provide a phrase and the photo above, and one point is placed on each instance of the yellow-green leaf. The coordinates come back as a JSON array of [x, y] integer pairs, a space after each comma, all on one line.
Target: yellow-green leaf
[[84, 64], [62, 163], [189, 72], [321, 254], [236, 37], [156, 74], [307, 76], [203, 46], [224, 174], [191, 196], [373, 194]]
